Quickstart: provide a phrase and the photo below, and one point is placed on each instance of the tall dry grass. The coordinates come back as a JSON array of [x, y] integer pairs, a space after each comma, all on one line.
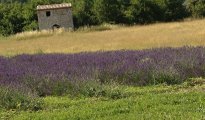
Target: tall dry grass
[[176, 34]]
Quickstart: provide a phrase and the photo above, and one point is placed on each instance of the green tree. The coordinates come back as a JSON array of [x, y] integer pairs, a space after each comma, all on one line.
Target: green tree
[[110, 11], [83, 14], [143, 11], [12, 19], [196, 8], [174, 10]]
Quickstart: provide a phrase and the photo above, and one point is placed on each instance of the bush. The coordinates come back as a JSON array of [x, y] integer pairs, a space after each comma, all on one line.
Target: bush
[[196, 8], [167, 77], [13, 99], [95, 88], [172, 10], [45, 86], [92, 88], [195, 82], [12, 20], [83, 14], [143, 11]]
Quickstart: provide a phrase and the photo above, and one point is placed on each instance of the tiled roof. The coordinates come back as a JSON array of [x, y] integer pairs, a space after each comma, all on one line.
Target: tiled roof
[[53, 6]]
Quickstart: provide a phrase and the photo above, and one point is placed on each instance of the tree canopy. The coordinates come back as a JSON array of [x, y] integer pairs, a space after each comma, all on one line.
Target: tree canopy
[[20, 15]]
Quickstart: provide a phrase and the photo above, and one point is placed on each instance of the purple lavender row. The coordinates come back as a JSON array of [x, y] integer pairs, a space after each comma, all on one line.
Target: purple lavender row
[[169, 65]]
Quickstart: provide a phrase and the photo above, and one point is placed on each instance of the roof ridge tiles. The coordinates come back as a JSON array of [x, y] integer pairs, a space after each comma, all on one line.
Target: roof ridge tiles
[[54, 6]]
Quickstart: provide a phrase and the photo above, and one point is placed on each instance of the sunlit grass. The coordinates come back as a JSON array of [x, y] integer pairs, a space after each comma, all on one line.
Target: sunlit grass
[[151, 103], [176, 34]]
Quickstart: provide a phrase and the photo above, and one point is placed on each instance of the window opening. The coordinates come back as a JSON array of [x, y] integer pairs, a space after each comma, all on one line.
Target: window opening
[[48, 13]]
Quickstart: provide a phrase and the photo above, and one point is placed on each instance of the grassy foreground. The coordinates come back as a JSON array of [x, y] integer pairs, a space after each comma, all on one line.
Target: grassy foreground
[[176, 34], [160, 102]]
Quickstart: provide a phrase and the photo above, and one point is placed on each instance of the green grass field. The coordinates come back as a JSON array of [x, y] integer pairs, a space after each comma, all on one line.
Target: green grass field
[[160, 102]]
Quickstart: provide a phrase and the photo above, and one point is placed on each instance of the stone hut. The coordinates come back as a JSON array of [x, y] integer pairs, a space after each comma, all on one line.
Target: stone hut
[[55, 16]]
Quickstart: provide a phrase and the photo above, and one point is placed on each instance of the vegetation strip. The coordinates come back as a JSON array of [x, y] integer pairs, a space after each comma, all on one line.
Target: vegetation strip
[[32, 82], [186, 101], [21, 15]]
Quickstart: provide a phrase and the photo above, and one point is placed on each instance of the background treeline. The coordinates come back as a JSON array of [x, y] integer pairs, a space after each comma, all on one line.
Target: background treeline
[[20, 15]]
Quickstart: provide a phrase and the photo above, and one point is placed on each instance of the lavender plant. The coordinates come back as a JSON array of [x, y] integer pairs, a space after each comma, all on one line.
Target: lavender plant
[[45, 73]]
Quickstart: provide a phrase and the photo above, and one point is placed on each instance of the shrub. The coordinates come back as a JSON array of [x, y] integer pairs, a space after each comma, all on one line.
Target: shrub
[[196, 82], [45, 86], [13, 99], [143, 11], [173, 9], [95, 88], [167, 77], [196, 7]]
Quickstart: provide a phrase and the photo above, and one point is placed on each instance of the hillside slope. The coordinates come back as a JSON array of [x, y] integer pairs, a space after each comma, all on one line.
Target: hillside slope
[[176, 34]]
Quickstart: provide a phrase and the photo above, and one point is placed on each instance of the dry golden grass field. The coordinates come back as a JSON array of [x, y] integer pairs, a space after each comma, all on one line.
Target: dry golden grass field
[[176, 34]]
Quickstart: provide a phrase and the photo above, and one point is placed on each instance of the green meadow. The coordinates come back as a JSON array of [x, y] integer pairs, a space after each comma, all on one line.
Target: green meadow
[[178, 102]]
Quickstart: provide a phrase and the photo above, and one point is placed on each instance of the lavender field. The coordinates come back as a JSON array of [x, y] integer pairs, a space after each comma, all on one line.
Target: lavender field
[[146, 67]]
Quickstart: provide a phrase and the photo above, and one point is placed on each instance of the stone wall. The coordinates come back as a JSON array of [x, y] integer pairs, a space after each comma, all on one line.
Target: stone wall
[[62, 17]]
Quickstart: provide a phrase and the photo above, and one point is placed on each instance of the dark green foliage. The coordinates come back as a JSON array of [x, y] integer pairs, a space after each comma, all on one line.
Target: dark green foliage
[[109, 11], [83, 14], [196, 7], [11, 18], [142, 11], [174, 10], [20, 15]]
